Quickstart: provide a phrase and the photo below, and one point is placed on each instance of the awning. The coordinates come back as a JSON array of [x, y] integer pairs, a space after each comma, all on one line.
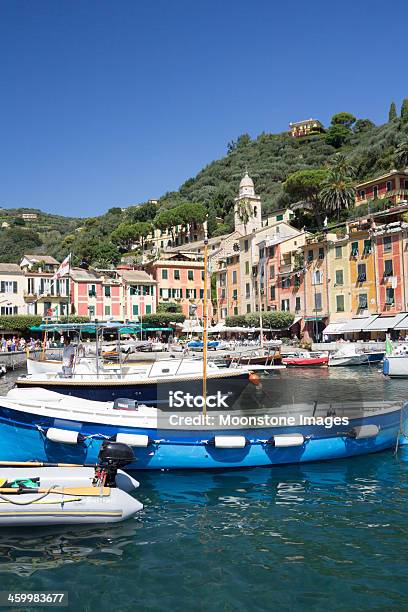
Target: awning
[[403, 324], [295, 320], [310, 319], [334, 328], [385, 323], [358, 324]]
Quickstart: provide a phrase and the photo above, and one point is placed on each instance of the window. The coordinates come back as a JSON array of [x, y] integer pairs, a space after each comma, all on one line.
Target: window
[[310, 255], [92, 290], [318, 301], [235, 294], [297, 280], [246, 246], [321, 253], [202, 294], [388, 267], [133, 290], [91, 311], [164, 293], [190, 275], [107, 292], [273, 292], [389, 185], [235, 310], [317, 277], [107, 311], [361, 193], [271, 251], [387, 244], [367, 247], [234, 277], [191, 294], [247, 290], [339, 252], [389, 296], [176, 274], [261, 253], [135, 310], [354, 249], [272, 272], [164, 274], [362, 300], [8, 310], [297, 304], [247, 267], [406, 184], [361, 273], [375, 192], [339, 277], [8, 287], [279, 217], [339, 303], [222, 293], [285, 305], [286, 282], [148, 309], [248, 308]]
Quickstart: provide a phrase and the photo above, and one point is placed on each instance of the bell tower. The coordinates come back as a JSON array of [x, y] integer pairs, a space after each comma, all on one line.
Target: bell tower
[[247, 208]]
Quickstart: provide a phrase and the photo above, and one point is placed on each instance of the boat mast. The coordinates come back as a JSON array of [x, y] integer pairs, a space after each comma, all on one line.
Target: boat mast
[[260, 308], [205, 319]]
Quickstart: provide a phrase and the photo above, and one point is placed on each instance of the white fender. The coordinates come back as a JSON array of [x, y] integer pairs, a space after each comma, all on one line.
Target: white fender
[[133, 439], [230, 441], [282, 440], [62, 435]]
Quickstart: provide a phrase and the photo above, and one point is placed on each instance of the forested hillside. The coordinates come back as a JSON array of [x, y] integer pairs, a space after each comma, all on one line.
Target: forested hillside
[[319, 169]]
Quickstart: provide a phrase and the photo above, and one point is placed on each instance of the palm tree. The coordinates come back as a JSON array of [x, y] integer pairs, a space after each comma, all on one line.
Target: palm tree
[[244, 211], [339, 163], [401, 155], [337, 192]]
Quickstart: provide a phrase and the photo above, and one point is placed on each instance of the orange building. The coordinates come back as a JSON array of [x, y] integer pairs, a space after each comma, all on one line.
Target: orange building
[[392, 186]]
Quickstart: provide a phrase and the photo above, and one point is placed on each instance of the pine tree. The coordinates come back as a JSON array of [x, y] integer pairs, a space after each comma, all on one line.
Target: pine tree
[[393, 112], [404, 109]]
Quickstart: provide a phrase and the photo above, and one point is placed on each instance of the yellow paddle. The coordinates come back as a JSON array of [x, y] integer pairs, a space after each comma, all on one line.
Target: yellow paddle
[[84, 491]]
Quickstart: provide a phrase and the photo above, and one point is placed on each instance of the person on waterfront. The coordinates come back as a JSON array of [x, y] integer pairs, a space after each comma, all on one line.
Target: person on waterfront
[[3, 344], [68, 355]]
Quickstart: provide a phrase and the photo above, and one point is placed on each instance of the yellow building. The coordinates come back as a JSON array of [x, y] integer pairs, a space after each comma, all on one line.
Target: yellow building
[[363, 275], [338, 264]]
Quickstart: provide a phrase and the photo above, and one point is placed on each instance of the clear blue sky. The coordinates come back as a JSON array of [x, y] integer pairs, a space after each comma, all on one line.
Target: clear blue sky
[[111, 102]]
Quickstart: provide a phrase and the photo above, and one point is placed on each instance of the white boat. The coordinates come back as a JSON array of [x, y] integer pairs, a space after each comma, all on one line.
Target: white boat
[[37, 494], [347, 355], [396, 364]]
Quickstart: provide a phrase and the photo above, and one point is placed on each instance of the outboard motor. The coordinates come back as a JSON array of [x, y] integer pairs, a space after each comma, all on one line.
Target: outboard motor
[[112, 456]]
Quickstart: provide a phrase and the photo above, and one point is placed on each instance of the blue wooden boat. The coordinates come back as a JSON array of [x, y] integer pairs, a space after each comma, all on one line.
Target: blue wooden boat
[[49, 427]]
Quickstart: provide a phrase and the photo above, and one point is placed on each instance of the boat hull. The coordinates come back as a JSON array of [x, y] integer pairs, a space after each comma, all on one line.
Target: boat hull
[[305, 362], [154, 393], [396, 366], [24, 438]]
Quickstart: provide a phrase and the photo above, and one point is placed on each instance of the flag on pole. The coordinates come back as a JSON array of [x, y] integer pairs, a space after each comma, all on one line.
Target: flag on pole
[[64, 268]]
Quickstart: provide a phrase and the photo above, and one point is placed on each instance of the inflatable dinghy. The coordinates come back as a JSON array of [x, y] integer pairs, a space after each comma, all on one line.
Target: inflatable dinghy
[[34, 493]]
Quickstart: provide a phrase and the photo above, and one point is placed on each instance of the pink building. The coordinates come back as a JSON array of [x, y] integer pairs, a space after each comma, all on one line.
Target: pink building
[[112, 294]]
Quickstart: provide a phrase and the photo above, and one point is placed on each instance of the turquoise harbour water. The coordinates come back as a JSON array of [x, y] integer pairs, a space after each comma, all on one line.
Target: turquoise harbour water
[[312, 537]]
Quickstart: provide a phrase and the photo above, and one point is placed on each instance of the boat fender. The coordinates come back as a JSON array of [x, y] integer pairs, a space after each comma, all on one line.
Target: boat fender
[[229, 441], [65, 436], [140, 440], [364, 431], [284, 440]]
